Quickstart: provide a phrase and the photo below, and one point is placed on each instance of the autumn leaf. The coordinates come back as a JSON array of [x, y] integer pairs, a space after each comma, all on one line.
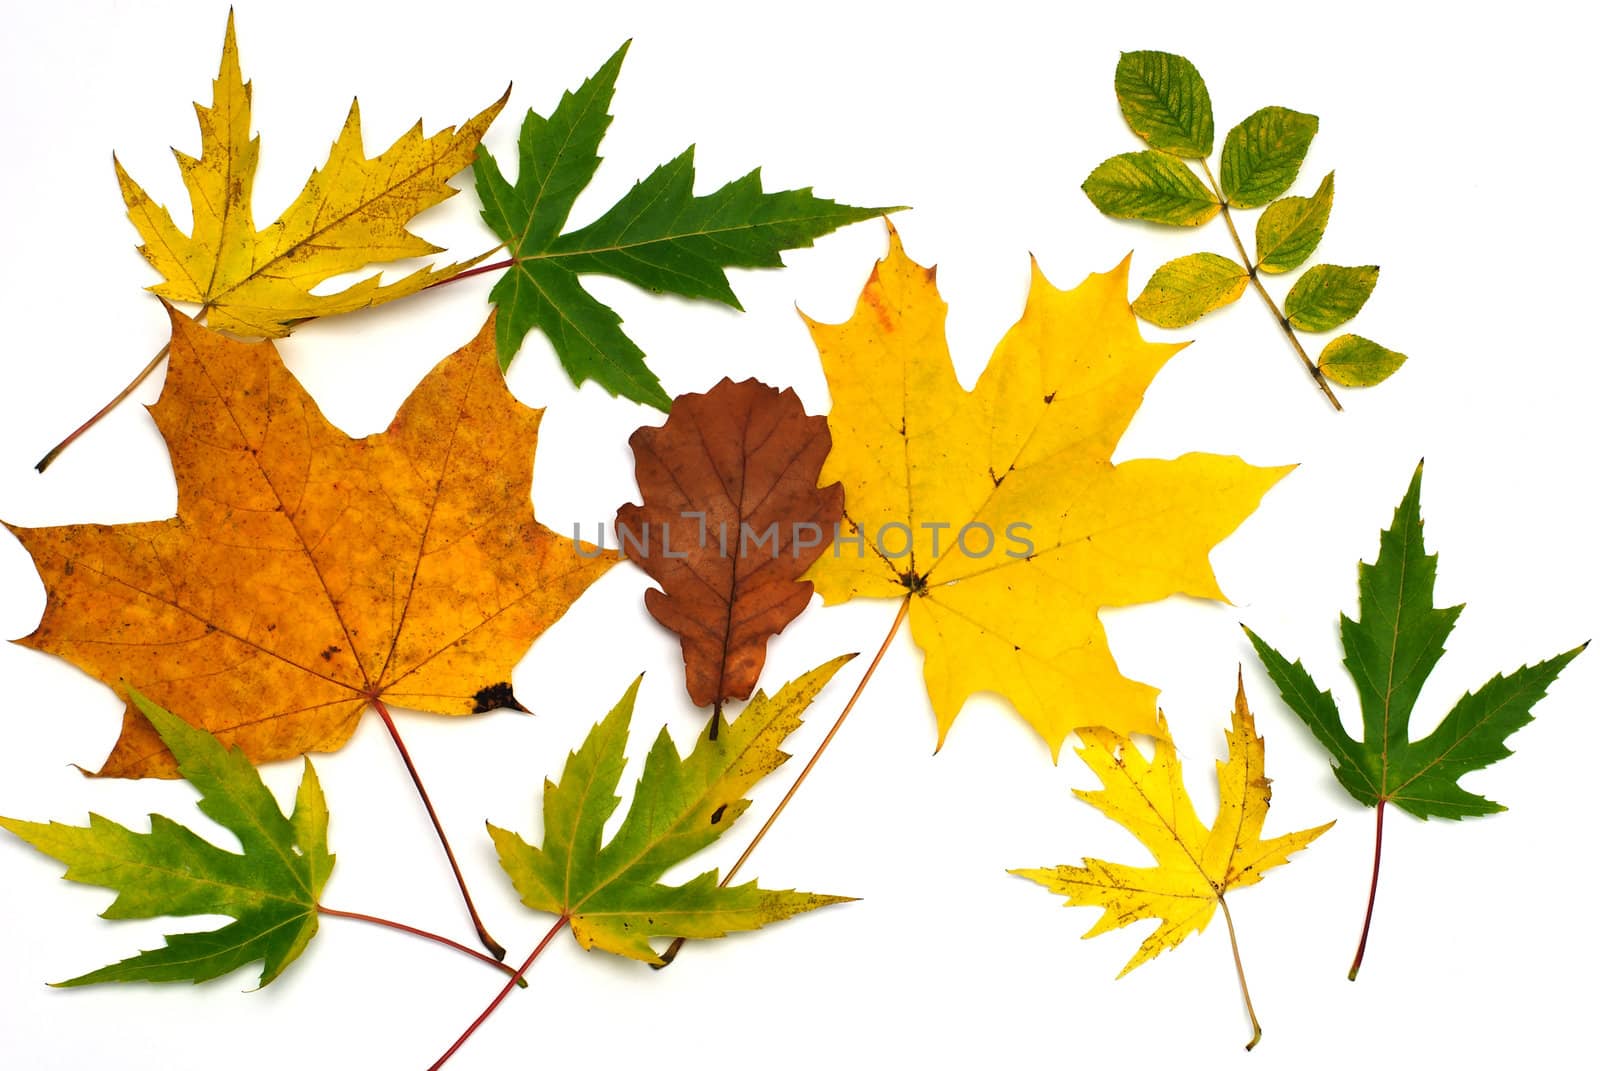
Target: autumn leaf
[[611, 894], [1390, 653], [1358, 362], [1195, 866], [352, 212], [732, 516], [998, 512], [1183, 290], [660, 236], [308, 575], [1166, 103], [270, 889]]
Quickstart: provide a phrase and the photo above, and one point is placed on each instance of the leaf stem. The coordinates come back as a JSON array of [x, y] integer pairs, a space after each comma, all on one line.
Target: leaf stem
[[1372, 893], [437, 938], [1255, 280], [55, 451], [481, 269], [490, 943], [561, 924], [899, 619], [1238, 965], [122, 395]]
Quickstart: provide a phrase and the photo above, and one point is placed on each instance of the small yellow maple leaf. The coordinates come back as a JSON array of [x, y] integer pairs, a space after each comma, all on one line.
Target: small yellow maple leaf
[[1195, 866], [998, 512], [352, 212]]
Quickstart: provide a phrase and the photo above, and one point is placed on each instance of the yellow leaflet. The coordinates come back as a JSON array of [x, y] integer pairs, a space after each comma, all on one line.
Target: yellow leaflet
[[352, 212]]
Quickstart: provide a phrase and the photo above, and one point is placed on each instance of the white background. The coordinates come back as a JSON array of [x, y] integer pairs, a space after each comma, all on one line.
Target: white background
[[1462, 149]]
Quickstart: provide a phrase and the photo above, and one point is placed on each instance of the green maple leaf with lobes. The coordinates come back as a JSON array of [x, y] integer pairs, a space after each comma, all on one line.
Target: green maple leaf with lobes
[[271, 889], [351, 212], [659, 236], [1389, 653], [612, 893]]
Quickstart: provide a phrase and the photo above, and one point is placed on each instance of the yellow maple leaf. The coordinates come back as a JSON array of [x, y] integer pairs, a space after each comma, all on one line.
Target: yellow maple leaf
[[997, 512], [1195, 866], [352, 212]]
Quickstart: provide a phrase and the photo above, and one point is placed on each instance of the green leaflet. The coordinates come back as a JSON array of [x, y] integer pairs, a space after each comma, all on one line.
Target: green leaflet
[[271, 890], [1183, 290], [1389, 653], [612, 892], [1166, 102], [1327, 295], [1151, 186], [1262, 155], [1353, 361], [659, 236], [1287, 233]]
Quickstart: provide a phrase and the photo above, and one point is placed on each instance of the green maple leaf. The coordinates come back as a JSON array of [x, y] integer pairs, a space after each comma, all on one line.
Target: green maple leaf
[[659, 236], [271, 890], [612, 893], [1389, 653]]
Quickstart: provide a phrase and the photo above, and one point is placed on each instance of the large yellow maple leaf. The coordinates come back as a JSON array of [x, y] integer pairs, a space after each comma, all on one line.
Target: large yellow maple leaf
[[997, 512], [308, 575], [1195, 866], [352, 212]]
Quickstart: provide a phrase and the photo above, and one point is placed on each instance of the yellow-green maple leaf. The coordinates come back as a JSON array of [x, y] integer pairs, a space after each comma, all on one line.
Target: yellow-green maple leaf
[[1030, 445], [352, 212]]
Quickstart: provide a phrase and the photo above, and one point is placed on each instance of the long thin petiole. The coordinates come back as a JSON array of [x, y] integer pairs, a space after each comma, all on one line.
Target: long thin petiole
[[1277, 313], [55, 451], [561, 924], [1238, 965], [1372, 893], [899, 619], [435, 937], [490, 943], [155, 362]]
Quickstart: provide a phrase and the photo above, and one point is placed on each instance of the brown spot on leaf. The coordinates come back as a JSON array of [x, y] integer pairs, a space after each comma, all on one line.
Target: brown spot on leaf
[[496, 697]]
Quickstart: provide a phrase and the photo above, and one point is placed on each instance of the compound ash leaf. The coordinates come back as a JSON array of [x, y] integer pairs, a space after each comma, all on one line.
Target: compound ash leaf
[[611, 893], [732, 516], [659, 236], [352, 212], [1195, 866], [271, 889], [1389, 653], [998, 512], [308, 574]]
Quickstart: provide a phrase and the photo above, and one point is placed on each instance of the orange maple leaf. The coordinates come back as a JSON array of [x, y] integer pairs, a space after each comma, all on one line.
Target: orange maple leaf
[[308, 574]]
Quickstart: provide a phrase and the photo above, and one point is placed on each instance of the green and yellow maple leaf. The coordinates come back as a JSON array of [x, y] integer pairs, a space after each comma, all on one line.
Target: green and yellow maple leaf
[[352, 212], [1024, 461], [612, 893], [271, 889]]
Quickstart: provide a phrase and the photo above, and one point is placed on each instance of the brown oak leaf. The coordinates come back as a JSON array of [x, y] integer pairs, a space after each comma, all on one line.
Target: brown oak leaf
[[732, 516], [308, 574]]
